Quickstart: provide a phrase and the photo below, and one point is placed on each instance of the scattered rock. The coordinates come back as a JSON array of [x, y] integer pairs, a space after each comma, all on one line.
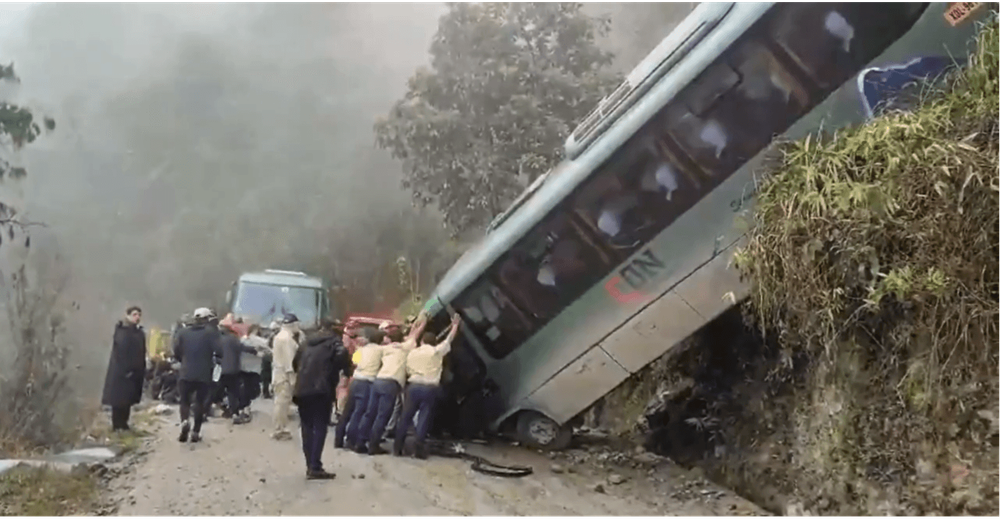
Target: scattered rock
[[361, 476], [597, 488], [556, 468], [163, 409], [615, 479]]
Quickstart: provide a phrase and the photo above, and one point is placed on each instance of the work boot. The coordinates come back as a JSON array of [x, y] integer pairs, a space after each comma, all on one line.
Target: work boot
[[361, 449], [319, 474], [195, 437], [376, 449], [338, 444], [420, 451], [185, 429]]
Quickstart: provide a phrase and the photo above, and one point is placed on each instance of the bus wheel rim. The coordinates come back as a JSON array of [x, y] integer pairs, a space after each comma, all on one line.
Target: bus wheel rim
[[543, 430]]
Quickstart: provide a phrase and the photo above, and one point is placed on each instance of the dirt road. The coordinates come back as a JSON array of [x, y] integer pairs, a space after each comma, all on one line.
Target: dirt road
[[239, 470]]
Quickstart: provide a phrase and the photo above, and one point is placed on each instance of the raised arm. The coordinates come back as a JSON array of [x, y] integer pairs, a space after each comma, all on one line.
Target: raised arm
[[445, 346], [418, 328]]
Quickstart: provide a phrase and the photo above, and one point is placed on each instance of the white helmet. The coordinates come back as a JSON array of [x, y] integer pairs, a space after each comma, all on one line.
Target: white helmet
[[202, 313]]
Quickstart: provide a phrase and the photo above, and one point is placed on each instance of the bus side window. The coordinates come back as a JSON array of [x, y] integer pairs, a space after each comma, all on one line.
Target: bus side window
[[550, 267], [637, 194], [744, 120], [832, 41], [500, 326]]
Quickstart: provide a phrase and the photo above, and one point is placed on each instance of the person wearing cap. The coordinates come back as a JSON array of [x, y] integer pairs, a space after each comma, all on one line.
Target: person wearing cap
[[285, 345], [386, 388], [196, 348], [424, 365]]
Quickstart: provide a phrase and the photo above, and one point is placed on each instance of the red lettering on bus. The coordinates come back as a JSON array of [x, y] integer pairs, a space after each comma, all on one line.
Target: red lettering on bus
[[612, 287]]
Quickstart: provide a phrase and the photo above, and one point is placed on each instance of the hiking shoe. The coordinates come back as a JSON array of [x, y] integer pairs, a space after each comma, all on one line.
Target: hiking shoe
[[195, 437], [420, 452], [319, 474], [185, 429]]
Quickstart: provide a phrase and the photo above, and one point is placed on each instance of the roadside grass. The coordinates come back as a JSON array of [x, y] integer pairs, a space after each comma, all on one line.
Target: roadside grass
[[34, 491]]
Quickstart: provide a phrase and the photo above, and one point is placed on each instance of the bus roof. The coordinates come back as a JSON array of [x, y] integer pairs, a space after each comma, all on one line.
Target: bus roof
[[567, 175], [284, 278]]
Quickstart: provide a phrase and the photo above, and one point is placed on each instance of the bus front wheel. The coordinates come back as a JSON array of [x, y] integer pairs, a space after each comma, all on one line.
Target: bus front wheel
[[537, 431]]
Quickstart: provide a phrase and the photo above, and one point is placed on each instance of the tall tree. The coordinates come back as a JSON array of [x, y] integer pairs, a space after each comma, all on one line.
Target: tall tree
[[507, 83]]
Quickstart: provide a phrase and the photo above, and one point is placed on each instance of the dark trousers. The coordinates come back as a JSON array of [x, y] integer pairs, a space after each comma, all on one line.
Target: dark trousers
[[250, 388], [314, 417], [265, 378], [422, 398], [119, 417], [354, 411], [230, 383], [380, 403], [194, 398]]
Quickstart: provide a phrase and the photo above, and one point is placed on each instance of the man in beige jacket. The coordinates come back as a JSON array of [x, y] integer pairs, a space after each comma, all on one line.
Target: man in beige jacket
[[386, 388], [283, 374]]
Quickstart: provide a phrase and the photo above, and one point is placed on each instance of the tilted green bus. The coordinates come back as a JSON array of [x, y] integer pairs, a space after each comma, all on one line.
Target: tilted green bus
[[623, 250]]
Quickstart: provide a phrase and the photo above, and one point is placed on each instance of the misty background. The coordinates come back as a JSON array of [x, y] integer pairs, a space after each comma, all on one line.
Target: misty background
[[198, 141]]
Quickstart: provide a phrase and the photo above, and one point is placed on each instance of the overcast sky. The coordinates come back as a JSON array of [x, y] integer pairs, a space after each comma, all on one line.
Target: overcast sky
[[11, 18]]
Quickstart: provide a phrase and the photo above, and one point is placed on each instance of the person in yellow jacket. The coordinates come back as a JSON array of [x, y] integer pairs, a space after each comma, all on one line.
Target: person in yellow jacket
[[367, 362], [285, 345], [386, 388]]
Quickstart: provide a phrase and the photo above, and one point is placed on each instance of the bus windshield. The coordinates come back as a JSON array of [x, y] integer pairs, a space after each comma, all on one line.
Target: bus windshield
[[263, 303]]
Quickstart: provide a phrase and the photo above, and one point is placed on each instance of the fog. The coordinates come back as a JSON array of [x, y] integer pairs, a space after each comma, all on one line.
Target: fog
[[197, 141]]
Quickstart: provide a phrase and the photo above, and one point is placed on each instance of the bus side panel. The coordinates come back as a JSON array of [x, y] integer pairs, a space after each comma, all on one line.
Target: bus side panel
[[715, 287], [652, 332], [577, 386]]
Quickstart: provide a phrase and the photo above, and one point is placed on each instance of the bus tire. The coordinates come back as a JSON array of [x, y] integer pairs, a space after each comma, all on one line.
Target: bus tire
[[535, 430]]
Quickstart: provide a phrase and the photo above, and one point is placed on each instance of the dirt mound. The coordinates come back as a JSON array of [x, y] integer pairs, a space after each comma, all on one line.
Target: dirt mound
[[888, 235]]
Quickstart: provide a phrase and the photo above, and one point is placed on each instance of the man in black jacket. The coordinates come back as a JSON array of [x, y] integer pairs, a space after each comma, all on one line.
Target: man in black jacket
[[126, 369], [197, 347], [318, 366], [230, 380]]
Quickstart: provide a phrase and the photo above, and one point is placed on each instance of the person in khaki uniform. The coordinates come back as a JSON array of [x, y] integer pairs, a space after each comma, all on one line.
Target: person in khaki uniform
[[283, 374], [386, 388], [424, 365]]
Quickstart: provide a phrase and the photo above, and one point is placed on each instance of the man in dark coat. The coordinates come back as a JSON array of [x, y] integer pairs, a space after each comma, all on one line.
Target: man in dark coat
[[197, 348], [230, 380], [318, 366], [126, 369]]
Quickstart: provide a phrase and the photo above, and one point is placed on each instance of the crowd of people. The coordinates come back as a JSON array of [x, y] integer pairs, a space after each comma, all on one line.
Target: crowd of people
[[395, 386]]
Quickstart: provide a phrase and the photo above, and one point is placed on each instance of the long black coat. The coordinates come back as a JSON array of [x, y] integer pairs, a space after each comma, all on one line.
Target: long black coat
[[127, 366]]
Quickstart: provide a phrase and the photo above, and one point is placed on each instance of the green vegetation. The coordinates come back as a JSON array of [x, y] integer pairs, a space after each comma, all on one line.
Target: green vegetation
[[27, 491], [506, 85], [874, 255]]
